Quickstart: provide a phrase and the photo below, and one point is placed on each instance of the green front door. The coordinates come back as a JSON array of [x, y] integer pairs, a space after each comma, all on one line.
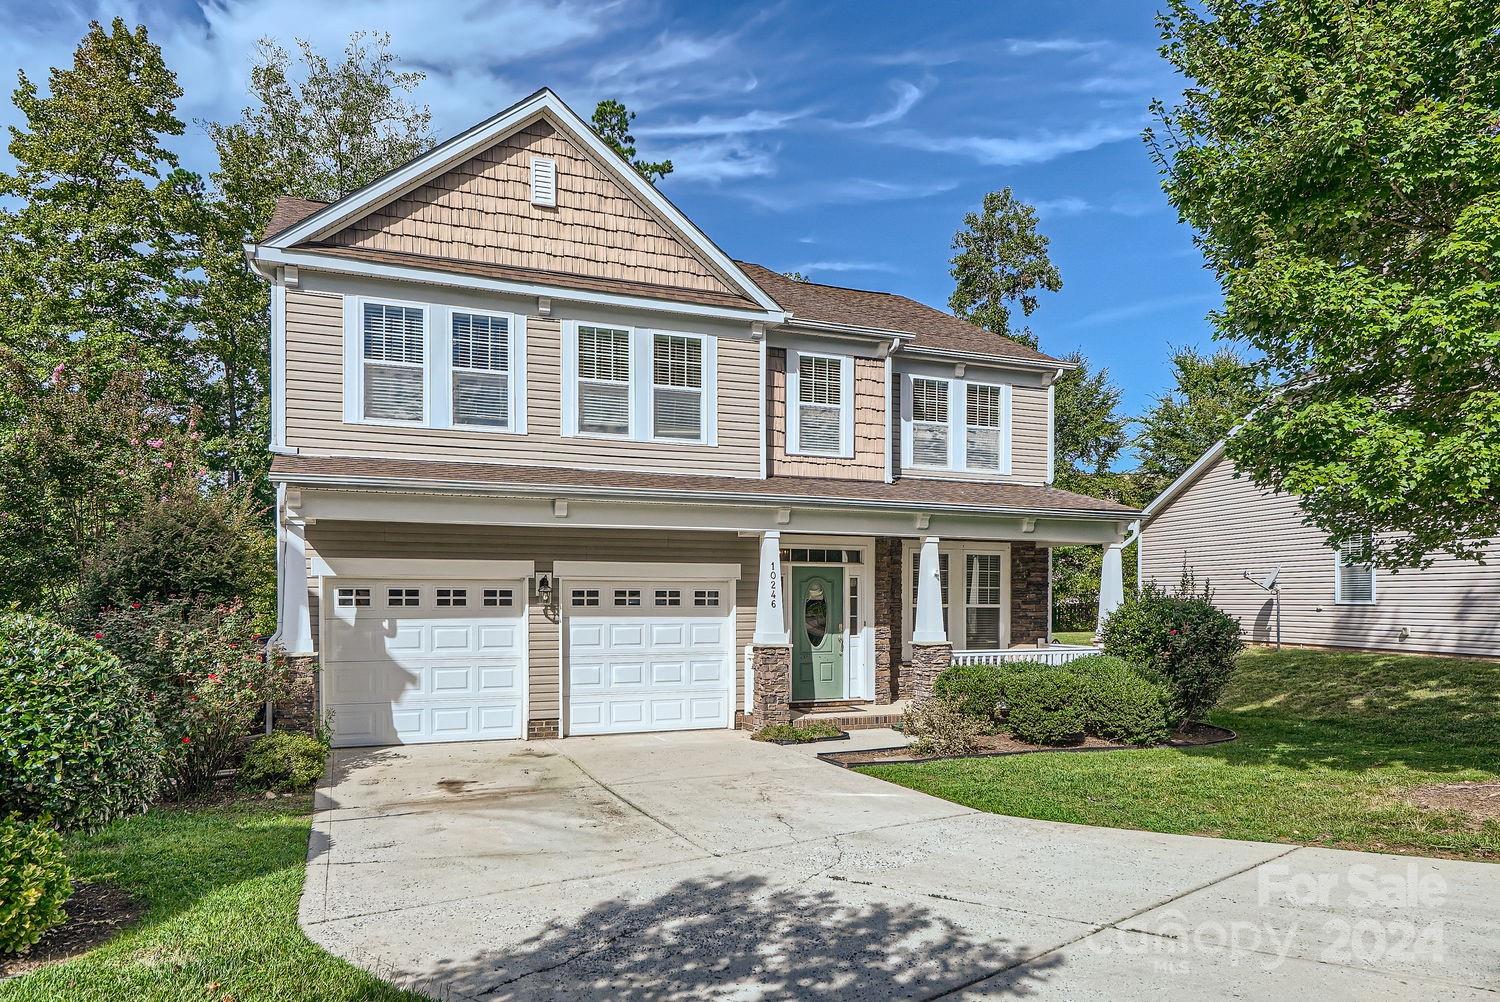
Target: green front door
[[817, 633]]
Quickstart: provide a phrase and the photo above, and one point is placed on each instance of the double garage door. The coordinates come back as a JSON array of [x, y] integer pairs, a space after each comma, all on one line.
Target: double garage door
[[424, 661]]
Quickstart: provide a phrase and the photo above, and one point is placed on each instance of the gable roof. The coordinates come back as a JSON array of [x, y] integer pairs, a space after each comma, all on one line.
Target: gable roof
[[886, 312], [322, 221]]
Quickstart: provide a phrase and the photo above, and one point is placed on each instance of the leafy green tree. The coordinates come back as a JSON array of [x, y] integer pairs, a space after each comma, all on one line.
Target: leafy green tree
[[1211, 394], [96, 245], [1341, 165], [611, 122], [1088, 429], [1002, 261], [319, 130]]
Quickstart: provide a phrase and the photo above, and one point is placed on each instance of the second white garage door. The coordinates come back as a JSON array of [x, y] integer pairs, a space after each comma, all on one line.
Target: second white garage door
[[649, 656]]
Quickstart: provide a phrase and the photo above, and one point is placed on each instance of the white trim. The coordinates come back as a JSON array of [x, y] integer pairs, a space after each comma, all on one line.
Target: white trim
[[518, 375], [636, 570], [889, 444], [354, 360], [1338, 582], [793, 404], [708, 390], [1051, 434], [762, 393], [956, 622], [278, 364], [467, 143], [443, 369], [420, 567], [559, 293], [996, 361]]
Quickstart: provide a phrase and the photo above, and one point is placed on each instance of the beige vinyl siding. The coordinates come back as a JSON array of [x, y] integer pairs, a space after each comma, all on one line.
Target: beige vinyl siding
[[868, 462], [481, 211], [1223, 525], [544, 545], [315, 416], [1028, 441]]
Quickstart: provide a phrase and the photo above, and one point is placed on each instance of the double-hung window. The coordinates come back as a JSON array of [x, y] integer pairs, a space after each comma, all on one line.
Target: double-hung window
[[982, 610], [929, 422], [603, 380], [974, 591], [984, 446], [481, 369], [819, 405], [1354, 579], [393, 344], [677, 387]]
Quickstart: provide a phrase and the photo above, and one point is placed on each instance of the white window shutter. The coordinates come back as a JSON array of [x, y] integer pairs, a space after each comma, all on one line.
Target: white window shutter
[[543, 181]]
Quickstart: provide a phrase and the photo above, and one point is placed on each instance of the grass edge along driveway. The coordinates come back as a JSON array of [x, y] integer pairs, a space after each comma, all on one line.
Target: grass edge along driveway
[[1329, 744]]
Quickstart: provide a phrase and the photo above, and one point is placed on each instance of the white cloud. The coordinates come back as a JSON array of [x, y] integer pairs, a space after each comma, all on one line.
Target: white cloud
[[1012, 151], [906, 97], [1143, 308], [722, 125], [812, 266], [842, 191], [1041, 46], [715, 160], [1068, 205]]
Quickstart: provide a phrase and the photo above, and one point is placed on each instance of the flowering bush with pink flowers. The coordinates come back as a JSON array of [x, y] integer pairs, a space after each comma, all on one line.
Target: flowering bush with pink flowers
[[205, 676]]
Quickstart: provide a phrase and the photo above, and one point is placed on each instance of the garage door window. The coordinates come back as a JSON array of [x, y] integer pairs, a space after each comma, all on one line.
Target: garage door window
[[498, 597], [452, 598], [403, 597], [354, 598], [627, 596], [706, 598], [586, 596], [668, 596]]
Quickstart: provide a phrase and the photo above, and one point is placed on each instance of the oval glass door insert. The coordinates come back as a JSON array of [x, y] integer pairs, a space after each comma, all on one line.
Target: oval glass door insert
[[815, 614]]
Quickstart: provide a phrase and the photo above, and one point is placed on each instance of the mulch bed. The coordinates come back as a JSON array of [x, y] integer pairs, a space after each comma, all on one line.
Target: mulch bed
[[1190, 735], [1480, 801], [96, 913]]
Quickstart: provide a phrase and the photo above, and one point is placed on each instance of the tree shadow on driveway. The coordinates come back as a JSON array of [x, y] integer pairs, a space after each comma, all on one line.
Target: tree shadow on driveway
[[744, 938]]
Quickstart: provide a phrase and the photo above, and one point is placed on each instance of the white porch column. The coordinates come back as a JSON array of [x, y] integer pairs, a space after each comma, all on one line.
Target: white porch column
[[929, 627], [1111, 582], [770, 624], [293, 621]]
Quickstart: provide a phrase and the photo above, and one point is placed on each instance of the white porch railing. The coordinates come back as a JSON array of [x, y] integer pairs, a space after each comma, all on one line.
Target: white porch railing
[[1055, 654]]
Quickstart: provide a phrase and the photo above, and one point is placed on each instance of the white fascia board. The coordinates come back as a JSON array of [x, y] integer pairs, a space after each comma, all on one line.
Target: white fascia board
[[994, 361], [434, 276], [447, 154], [618, 570], [594, 492], [1182, 483], [794, 322], [421, 567]]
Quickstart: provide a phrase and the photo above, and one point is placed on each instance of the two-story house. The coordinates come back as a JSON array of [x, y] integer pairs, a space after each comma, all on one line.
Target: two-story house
[[549, 462]]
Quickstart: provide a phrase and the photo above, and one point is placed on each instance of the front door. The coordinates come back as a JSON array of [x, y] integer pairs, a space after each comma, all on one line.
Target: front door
[[817, 633]]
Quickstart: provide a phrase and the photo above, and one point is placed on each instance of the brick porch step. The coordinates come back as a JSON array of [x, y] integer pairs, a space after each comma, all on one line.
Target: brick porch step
[[853, 718]]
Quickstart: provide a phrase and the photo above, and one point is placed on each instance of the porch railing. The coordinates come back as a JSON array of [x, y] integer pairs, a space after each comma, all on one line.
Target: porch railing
[[1055, 654]]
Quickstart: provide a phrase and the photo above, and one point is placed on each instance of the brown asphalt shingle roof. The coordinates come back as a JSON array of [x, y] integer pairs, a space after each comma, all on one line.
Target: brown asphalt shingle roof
[[1022, 498], [289, 211]]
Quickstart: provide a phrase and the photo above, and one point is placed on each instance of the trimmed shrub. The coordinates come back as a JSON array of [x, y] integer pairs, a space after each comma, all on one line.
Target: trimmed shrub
[[282, 760], [1120, 703], [797, 735], [974, 689], [77, 741], [1182, 637], [1045, 707], [34, 882], [941, 727]]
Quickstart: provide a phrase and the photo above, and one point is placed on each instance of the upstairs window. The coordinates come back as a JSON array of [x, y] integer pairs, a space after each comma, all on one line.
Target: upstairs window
[[394, 350], [1353, 581], [481, 370], [677, 387], [818, 405], [603, 381], [929, 422], [983, 422]]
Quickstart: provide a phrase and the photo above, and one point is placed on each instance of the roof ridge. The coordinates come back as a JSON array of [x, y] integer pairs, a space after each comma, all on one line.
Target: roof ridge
[[822, 285]]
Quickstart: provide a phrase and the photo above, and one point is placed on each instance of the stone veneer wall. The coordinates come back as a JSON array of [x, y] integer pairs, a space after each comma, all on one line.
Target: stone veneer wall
[[928, 661], [1030, 573], [773, 686], [887, 609], [298, 709]]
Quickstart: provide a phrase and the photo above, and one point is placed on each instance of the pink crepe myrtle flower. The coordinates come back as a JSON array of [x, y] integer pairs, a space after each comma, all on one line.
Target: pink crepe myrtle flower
[[58, 373], [155, 443]]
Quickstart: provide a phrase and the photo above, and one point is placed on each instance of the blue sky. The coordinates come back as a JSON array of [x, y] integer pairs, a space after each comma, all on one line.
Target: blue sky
[[844, 140]]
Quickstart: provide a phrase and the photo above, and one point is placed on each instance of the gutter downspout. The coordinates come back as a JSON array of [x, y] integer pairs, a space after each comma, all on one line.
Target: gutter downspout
[[887, 352]]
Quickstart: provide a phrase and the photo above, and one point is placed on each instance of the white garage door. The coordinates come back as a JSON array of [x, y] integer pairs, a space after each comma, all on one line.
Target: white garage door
[[649, 656], [421, 661]]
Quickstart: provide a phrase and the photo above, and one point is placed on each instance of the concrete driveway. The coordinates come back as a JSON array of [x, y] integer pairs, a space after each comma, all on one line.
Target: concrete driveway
[[705, 865]]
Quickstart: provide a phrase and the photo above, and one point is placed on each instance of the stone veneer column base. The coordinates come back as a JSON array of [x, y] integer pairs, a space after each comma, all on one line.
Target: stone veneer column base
[[928, 661], [541, 730], [297, 710], [887, 609], [773, 686]]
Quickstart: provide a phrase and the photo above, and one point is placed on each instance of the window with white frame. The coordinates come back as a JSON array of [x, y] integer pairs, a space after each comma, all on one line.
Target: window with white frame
[[929, 422], [975, 608], [677, 387], [983, 427], [603, 380], [1354, 578], [819, 405], [393, 339], [982, 612], [481, 369]]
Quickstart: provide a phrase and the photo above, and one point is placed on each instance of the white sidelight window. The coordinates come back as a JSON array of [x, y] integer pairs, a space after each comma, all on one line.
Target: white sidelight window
[[1353, 580], [603, 380], [929, 423], [677, 398], [984, 428], [820, 407], [394, 350], [982, 611], [481, 370]]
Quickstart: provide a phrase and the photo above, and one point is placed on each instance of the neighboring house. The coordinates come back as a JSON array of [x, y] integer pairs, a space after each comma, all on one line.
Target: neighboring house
[[549, 462], [1220, 526]]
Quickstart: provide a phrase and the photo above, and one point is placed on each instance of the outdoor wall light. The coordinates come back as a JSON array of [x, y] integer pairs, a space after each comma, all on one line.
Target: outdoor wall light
[[544, 590]]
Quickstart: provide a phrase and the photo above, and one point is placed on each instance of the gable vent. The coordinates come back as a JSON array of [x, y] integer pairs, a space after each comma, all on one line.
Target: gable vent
[[543, 181]]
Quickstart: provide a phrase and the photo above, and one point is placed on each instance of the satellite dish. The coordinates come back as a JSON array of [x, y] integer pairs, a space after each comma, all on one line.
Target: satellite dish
[[1267, 583]]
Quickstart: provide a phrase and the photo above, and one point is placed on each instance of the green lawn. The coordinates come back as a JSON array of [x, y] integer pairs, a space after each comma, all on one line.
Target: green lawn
[[221, 886], [1080, 637], [1328, 743]]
